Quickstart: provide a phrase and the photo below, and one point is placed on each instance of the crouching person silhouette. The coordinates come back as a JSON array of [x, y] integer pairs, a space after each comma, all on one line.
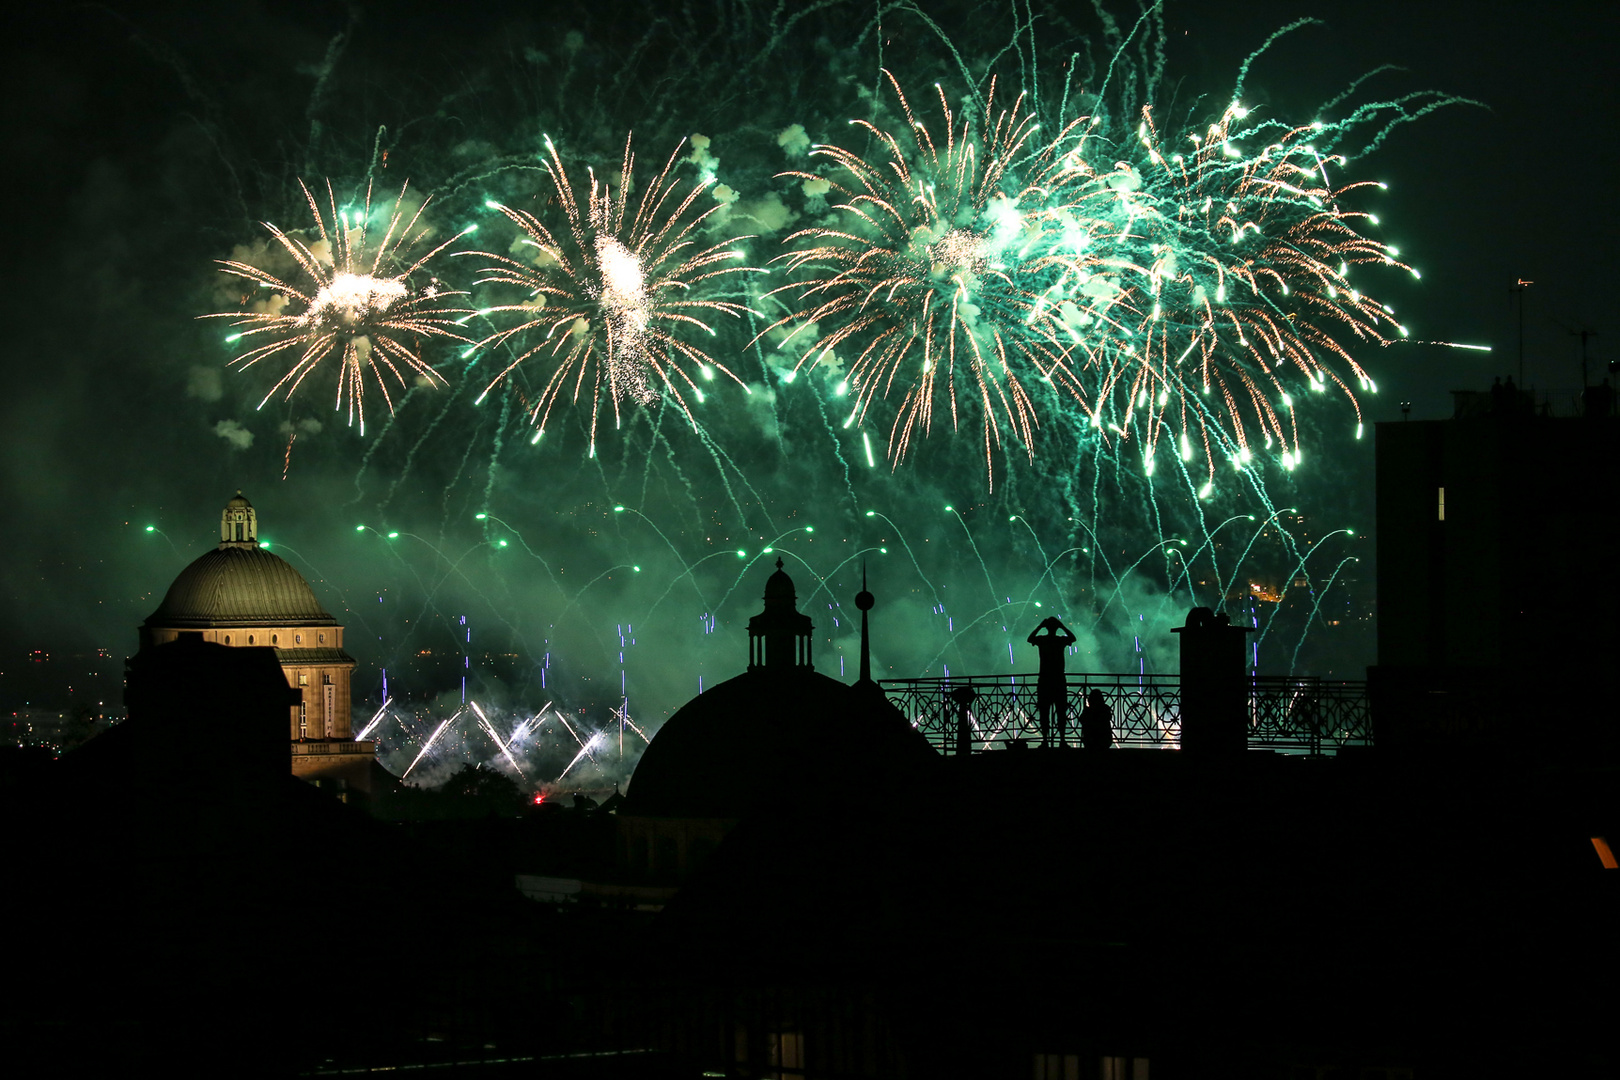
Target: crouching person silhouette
[[1096, 723]]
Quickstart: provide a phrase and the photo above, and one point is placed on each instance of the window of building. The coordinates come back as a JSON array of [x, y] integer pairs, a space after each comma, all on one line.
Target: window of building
[[784, 1054], [275, 639], [1057, 1067], [303, 719], [326, 680], [227, 639], [303, 680], [250, 639], [1442, 504], [323, 639], [298, 639]]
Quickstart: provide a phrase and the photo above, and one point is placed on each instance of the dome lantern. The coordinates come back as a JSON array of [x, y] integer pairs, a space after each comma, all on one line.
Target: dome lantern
[[238, 524], [779, 636]]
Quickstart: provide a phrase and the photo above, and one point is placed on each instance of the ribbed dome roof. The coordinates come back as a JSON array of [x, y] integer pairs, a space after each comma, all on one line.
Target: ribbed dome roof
[[239, 586]]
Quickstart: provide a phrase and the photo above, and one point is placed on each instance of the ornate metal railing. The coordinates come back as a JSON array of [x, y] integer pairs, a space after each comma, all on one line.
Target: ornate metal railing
[[1315, 715], [976, 713]]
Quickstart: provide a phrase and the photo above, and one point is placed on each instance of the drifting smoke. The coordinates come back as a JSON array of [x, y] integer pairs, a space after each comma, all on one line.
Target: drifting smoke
[[234, 434], [1133, 333], [205, 383]]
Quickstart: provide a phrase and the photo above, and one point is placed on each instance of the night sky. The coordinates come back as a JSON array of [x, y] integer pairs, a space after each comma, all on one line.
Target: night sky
[[146, 141]]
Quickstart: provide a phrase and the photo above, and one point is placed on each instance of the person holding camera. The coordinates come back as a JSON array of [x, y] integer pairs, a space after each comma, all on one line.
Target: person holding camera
[[1051, 687]]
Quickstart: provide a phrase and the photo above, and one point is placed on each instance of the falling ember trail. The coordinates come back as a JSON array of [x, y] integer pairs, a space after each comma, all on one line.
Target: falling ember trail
[[490, 728], [286, 460], [583, 751], [429, 744], [374, 721]]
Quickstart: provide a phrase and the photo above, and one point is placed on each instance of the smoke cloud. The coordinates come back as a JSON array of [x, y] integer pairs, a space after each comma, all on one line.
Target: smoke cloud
[[234, 434]]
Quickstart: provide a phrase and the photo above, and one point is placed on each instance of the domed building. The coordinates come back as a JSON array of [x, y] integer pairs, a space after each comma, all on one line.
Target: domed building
[[780, 733], [243, 596]]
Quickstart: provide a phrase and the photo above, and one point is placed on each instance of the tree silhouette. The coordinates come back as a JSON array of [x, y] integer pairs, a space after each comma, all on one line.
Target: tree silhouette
[[488, 789]]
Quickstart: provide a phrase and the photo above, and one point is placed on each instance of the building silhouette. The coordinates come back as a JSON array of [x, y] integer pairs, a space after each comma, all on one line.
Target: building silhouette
[[1497, 600], [1220, 911], [801, 888], [778, 734]]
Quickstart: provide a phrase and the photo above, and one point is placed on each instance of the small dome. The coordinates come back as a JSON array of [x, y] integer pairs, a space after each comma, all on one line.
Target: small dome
[[238, 503], [780, 587], [239, 586]]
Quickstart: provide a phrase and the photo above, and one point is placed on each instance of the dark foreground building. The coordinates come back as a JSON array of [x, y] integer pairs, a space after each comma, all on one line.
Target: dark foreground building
[[866, 910], [1498, 605], [1202, 912], [1151, 913]]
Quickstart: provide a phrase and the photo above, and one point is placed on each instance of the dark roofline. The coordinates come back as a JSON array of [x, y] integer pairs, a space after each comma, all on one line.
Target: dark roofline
[[313, 656], [270, 622]]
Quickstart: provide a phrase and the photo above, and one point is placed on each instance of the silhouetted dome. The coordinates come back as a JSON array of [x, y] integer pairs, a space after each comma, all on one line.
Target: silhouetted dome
[[779, 732], [779, 586], [767, 735], [239, 586]]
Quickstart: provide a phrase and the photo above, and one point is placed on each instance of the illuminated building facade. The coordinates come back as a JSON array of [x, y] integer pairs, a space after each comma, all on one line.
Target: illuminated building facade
[[243, 596]]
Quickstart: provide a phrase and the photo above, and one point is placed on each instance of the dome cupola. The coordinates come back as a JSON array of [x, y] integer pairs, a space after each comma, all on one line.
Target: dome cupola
[[238, 524], [239, 584], [779, 636]]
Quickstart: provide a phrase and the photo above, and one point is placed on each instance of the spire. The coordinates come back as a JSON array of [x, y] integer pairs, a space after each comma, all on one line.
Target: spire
[[864, 600], [238, 524]]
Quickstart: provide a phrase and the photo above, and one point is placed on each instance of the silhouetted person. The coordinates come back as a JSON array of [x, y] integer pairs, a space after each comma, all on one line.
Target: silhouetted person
[[1597, 401], [1051, 689], [1096, 723], [1516, 405]]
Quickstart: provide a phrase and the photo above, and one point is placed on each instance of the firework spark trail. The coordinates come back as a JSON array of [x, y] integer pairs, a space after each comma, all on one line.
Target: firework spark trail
[[551, 574], [622, 715], [1111, 404], [1317, 596], [1183, 289], [453, 570], [584, 751], [1237, 264], [929, 244], [584, 745], [490, 729], [1300, 571], [376, 719], [612, 304], [527, 727], [362, 303], [429, 744]]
